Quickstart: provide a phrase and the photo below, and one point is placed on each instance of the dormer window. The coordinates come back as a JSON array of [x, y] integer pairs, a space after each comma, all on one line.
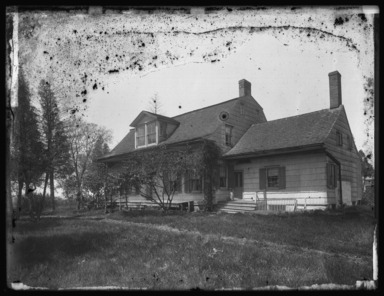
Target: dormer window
[[152, 129], [146, 134], [151, 133], [140, 135]]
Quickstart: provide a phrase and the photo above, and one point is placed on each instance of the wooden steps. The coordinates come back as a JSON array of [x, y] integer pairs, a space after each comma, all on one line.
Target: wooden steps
[[236, 206]]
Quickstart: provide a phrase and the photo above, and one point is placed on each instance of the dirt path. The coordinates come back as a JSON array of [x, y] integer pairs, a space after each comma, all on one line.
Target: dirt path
[[235, 240]]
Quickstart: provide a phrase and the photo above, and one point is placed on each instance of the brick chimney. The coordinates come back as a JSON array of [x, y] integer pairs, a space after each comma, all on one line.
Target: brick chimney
[[244, 88], [335, 89]]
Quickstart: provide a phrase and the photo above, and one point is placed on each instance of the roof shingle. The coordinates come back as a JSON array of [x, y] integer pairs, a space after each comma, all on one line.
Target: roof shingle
[[198, 123], [296, 131]]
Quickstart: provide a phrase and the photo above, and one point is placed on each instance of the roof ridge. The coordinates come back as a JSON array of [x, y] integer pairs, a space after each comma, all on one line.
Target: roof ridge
[[318, 111], [205, 107]]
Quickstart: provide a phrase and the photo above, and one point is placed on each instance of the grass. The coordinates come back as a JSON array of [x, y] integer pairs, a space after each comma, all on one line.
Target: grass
[[349, 232], [63, 253]]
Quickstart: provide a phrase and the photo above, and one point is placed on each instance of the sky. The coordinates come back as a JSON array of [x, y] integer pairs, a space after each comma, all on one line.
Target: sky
[[286, 81], [106, 66]]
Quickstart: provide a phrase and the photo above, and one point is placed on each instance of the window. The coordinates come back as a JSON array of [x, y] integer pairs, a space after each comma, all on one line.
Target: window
[[151, 133], [331, 175], [223, 176], [173, 182], [339, 138], [193, 182], [272, 178], [140, 136], [228, 135], [146, 134], [349, 142]]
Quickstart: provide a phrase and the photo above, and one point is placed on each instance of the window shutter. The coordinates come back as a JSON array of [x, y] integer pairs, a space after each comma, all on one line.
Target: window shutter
[[262, 179], [186, 182], [328, 175], [281, 177]]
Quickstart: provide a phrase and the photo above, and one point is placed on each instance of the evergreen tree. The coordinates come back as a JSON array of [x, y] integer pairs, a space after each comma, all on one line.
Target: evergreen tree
[[56, 144], [27, 149]]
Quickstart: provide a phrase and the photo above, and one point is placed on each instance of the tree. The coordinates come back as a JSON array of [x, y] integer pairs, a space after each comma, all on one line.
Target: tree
[[55, 141], [157, 173], [27, 149], [83, 137], [154, 104], [367, 169], [94, 177]]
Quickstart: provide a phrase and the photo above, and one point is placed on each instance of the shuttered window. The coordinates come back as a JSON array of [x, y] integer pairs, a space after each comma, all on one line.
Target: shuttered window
[[272, 178]]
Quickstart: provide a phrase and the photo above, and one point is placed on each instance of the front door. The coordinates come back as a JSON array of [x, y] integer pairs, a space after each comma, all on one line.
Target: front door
[[238, 184]]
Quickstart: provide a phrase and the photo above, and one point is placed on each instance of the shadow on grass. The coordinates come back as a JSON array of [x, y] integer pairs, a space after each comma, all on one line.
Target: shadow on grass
[[28, 226], [146, 213], [48, 249]]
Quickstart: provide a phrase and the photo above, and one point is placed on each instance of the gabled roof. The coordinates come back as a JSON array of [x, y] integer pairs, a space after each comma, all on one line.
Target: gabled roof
[[195, 124], [199, 123], [154, 116], [290, 132]]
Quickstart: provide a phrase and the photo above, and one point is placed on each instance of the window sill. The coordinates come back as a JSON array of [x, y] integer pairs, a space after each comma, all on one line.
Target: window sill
[[144, 146]]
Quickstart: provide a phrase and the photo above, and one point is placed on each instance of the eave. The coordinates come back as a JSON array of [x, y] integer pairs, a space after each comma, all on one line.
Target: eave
[[176, 145], [262, 153]]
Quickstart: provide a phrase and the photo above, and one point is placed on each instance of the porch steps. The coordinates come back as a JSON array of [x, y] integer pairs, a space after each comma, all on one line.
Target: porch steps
[[236, 206]]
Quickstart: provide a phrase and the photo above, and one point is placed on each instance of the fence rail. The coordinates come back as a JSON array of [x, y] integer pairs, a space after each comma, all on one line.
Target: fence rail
[[288, 204]]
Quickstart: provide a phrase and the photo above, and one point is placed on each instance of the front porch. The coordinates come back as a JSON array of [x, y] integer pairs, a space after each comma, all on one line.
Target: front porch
[[271, 204]]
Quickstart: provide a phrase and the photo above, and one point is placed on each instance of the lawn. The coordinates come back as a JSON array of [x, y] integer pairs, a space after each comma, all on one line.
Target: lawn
[[131, 250]]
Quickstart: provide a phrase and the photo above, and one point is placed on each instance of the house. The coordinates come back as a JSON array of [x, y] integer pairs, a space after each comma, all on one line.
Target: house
[[310, 158]]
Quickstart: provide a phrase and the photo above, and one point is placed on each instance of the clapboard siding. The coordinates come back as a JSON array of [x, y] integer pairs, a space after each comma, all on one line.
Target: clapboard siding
[[304, 172], [349, 158], [253, 113]]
